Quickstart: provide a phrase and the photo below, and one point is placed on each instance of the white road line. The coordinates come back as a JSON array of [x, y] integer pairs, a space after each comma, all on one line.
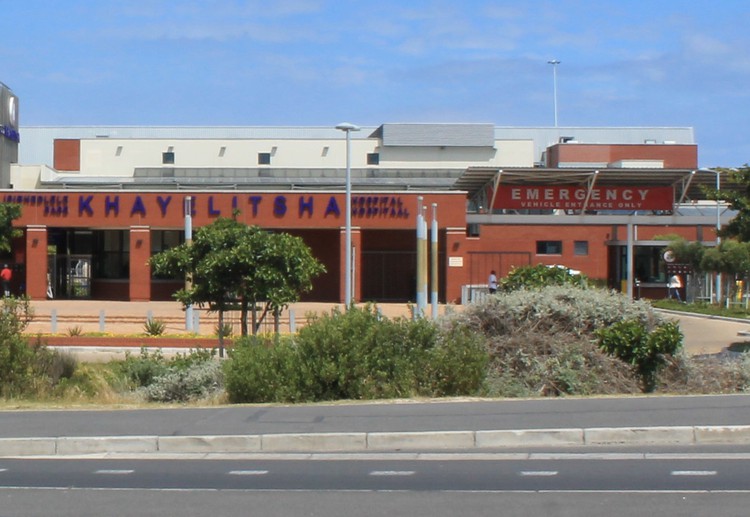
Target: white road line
[[693, 473], [248, 472], [392, 473], [538, 473], [3, 470], [114, 472]]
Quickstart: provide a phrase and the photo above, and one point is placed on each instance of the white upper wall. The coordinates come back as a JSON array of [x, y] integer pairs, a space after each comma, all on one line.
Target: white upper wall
[[120, 157]]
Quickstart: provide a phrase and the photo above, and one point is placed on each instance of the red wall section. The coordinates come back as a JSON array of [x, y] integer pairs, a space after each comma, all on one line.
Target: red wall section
[[674, 156], [67, 155], [281, 210]]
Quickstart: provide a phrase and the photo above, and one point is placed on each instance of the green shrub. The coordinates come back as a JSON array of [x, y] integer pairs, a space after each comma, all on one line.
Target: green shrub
[[261, 369], [154, 327], [634, 343], [358, 355], [196, 381], [536, 277], [145, 368], [225, 330], [542, 342], [75, 331], [142, 369]]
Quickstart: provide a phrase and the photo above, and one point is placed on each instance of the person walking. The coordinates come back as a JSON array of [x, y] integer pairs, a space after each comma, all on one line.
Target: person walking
[[673, 287], [492, 282], [5, 276]]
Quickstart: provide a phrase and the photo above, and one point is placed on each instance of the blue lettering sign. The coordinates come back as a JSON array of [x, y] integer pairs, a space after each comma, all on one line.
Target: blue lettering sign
[[84, 204], [211, 210], [112, 205], [305, 206], [163, 203], [332, 208], [255, 201], [138, 207], [279, 206]]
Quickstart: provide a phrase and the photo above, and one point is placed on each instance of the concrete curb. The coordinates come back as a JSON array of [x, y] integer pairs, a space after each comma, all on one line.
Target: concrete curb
[[375, 442]]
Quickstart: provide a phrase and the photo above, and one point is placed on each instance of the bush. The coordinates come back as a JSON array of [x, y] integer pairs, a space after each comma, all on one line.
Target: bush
[[646, 349], [154, 327], [539, 276], [357, 355], [141, 370], [194, 374], [196, 381], [543, 341], [262, 369]]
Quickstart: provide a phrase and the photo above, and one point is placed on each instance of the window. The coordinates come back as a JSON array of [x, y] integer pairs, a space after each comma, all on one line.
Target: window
[[167, 158], [264, 158], [581, 248], [162, 240], [549, 247], [113, 250], [373, 158]]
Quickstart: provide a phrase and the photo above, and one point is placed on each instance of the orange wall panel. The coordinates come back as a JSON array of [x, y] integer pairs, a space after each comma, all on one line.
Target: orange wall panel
[[67, 155]]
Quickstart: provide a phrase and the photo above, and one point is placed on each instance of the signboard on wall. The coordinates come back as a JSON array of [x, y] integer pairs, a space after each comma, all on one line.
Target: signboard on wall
[[555, 197]]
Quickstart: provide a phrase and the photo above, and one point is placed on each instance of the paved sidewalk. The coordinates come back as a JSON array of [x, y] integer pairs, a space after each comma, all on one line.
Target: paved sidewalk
[[703, 335], [129, 317]]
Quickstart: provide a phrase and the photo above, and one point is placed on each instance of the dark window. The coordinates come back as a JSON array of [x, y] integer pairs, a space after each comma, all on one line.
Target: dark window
[[113, 252], [373, 158], [581, 248], [264, 158], [549, 247], [167, 158], [163, 240]]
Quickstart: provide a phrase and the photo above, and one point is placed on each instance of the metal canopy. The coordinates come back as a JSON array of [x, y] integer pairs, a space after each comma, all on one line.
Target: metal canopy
[[688, 183]]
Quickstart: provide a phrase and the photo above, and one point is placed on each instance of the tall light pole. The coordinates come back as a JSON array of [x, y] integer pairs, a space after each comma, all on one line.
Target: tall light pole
[[347, 128], [189, 323], [554, 63]]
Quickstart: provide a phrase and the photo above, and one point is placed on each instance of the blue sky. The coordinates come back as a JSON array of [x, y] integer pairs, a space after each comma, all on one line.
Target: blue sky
[[320, 62]]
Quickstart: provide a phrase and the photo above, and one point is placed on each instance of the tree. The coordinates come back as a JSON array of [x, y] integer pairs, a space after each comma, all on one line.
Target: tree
[[8, 212], [229, 263], [738, 200]]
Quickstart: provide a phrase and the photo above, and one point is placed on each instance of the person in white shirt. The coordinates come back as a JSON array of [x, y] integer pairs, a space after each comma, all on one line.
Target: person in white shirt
[[492, 282], [673, 287]]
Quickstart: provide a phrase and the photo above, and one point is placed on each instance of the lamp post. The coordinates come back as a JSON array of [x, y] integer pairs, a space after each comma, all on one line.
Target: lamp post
[[189, 323], [554, 63], [718, 230], [347, 128]]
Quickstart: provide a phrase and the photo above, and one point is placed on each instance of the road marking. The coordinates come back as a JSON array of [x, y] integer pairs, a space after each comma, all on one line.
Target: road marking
[[538, 473], [248, 472], [3, 470], [114, 472], [693, 472], [392, 473]]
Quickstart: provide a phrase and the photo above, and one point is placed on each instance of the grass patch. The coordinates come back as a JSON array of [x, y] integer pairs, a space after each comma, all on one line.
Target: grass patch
[[709, 309]]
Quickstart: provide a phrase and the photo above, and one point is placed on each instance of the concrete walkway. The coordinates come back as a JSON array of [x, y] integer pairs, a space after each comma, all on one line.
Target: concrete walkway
[[702, 335]]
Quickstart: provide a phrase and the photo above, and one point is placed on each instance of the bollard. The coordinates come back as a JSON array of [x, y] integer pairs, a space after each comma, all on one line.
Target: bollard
[[53, 321], [292, 322], [101, 320], [197, 322]]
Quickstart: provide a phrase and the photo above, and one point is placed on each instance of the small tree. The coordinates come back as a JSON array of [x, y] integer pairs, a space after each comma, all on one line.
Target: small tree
[[230, 263], [692, 254], [8, 212], [731, 258]]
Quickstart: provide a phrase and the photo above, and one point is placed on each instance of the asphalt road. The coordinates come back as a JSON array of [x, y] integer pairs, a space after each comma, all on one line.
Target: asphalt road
[[555, 484], [551, 471], [185, 503], [383, 417]]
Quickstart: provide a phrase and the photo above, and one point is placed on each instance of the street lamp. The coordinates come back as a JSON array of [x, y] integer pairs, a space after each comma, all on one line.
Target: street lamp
[[347, 128], [554, 63]]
